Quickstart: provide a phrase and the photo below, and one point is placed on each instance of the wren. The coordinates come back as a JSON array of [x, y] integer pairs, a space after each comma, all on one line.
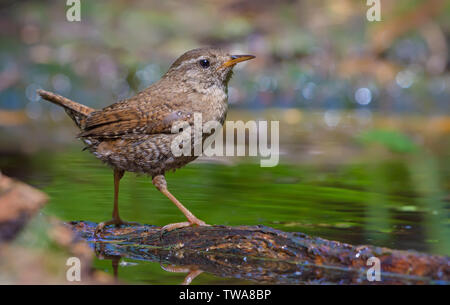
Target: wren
[[135, 135]]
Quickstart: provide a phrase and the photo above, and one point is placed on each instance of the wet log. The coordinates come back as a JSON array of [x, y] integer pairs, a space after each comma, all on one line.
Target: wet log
[[263, 254]]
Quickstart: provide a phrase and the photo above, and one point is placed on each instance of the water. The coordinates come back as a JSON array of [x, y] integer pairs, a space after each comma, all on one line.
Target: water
[[397, 203]]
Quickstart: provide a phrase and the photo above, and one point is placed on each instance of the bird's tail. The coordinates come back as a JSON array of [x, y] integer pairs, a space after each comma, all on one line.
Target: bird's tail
[[76, 111]]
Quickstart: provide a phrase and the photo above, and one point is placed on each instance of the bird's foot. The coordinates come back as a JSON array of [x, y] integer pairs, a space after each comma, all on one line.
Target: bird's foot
[[117, 222], [191, 222]]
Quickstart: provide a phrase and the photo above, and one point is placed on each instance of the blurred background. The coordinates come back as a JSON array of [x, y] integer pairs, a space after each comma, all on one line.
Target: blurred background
[[363, 109]]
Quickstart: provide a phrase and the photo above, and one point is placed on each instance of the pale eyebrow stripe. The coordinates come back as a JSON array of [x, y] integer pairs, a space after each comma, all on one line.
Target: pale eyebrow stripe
[[190, 61]]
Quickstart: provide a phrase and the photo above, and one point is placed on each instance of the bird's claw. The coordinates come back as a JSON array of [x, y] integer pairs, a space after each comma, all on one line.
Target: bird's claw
[[178, 225], [116, 222]]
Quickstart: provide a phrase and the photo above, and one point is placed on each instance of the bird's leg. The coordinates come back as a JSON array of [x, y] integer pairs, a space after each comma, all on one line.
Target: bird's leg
[[161, 184], [118, 174]]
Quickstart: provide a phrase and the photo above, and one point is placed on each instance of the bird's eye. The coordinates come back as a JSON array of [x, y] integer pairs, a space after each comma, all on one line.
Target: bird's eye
[[204, 63]]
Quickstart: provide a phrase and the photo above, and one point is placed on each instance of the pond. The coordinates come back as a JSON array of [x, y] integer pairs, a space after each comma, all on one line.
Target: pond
[[395, 202]]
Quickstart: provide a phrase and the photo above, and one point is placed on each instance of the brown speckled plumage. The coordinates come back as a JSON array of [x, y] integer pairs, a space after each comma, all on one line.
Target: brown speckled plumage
[[135, 134]]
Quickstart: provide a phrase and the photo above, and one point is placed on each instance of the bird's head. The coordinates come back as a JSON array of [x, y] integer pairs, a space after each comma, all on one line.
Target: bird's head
[[205, 68]]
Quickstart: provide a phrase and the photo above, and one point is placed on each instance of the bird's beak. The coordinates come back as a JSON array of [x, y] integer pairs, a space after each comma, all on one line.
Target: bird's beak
[[235, 59]]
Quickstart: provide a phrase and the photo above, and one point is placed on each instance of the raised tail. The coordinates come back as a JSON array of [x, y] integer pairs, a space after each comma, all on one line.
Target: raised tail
[[76, 111]]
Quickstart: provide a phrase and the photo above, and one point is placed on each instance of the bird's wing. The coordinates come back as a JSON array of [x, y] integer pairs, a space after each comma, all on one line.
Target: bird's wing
[[137, 115]]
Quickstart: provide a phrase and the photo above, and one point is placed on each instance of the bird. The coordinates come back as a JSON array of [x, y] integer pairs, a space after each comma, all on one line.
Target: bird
[[135, 134]]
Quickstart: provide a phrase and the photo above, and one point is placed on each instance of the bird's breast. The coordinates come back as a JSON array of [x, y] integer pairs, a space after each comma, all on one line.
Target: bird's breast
[[212, 105], [215, 108]]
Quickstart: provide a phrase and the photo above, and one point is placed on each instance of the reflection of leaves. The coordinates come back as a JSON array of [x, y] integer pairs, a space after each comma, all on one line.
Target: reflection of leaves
[[393, 140]]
